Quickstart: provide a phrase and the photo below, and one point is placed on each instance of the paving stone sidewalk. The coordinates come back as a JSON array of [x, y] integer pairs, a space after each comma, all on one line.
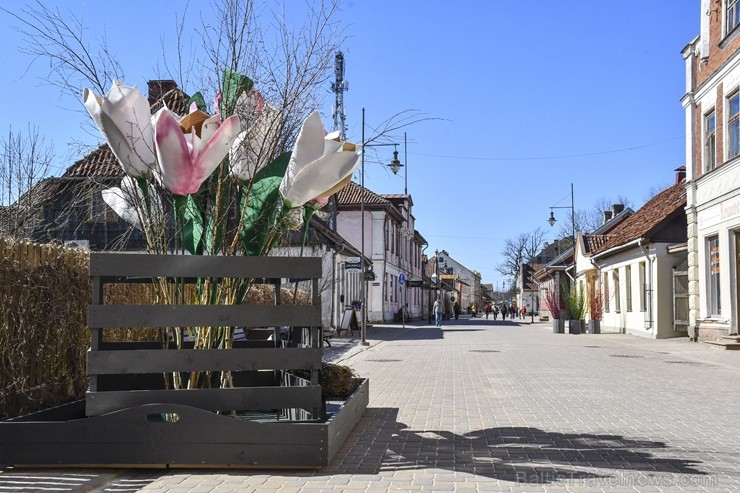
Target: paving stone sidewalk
[[480, 406]]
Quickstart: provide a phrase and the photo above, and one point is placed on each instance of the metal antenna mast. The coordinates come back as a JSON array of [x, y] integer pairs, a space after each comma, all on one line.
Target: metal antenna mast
[[338, 87]]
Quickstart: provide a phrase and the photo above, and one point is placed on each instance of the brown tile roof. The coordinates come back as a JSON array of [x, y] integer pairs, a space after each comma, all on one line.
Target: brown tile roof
[[102, 162], [353, 194], [649, 218], [593, 242]]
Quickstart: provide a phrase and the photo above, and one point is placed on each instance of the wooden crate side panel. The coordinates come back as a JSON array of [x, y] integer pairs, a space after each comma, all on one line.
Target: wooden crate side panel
[[131, 437], [133, 316], [243, 398], [342, 424], [149, 265], [160, 361]]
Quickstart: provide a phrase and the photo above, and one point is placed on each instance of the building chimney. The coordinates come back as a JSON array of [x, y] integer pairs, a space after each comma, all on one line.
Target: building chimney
[[158, 88], [680, 174], [617, 208], [608, 215]]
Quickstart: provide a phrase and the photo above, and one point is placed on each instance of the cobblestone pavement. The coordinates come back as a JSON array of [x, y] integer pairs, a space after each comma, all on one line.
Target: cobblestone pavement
[[480, 406]]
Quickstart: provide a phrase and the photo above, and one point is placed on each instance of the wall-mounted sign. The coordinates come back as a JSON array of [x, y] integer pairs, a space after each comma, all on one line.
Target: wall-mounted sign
[[353, 264]]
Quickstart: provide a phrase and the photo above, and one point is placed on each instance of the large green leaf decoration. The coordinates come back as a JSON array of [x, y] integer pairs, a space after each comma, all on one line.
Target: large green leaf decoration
[[233, 85], [263, 206], [263, 215], [199, 101], [190, 220], [276, 168]]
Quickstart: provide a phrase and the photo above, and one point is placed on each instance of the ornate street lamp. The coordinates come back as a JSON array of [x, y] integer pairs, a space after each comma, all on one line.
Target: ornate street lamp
[[572, 208]]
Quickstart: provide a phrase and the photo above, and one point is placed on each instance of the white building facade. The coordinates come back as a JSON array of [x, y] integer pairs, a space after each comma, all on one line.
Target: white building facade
[[386, 225], [712, 107]]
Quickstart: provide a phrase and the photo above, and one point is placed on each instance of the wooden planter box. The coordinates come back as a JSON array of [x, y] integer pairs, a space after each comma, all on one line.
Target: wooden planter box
[[269, 418], [139, 436]]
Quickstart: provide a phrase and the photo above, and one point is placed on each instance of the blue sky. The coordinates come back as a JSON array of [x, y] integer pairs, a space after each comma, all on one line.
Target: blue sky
[[525, 98]]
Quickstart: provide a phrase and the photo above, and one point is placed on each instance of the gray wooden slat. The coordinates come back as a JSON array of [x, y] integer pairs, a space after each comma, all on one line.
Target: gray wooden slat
[[162, 453], [193, 425], [130, 316], [162, 361], [150, 265], [244, 398]]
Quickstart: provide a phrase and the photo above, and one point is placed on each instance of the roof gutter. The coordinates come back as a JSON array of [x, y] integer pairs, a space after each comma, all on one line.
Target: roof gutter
[[618, 249]]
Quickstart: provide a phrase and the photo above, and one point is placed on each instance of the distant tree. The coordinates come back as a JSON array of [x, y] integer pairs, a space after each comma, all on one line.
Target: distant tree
[[589, 220], [520, 250], [25, 160], [653, 191]]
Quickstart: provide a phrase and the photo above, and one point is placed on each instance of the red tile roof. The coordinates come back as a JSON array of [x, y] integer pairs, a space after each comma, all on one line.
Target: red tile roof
[[655, 213], [594, 242], [354, 194]]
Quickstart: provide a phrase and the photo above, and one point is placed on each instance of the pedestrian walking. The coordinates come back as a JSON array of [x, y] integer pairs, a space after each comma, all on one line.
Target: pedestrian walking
[[523, 312], [487, 309], [438, 312], [456, 309], [504, 311], [495, 312]]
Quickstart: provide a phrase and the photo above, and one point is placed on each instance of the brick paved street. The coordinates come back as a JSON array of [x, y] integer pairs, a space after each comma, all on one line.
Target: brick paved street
[[500, 406]]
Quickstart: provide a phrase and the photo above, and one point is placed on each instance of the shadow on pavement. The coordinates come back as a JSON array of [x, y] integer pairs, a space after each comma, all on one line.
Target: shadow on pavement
[[518, 454]]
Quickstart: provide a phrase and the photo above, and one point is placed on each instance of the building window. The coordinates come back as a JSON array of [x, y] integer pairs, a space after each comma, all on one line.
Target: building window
[[733, 126], [733, 15], [605, 287], [617, 299], [710, 141], [98, 210], [715, 305], [628, 287]]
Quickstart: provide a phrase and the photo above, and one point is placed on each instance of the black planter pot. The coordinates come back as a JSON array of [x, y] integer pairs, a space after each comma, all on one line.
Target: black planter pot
[[575, 326]]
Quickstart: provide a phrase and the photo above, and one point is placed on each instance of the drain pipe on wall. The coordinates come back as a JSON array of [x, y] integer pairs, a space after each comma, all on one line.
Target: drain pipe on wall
[[649, 288]]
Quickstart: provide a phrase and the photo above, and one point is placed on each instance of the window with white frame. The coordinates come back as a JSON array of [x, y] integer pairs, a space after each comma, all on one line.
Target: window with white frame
[[615, 283], [628, 287], [732, 16], [605, 287], [710, 141], [733, 125], [713, 298]]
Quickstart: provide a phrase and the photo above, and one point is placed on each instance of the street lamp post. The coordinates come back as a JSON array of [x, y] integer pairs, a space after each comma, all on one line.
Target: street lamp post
[[552, 220], [572, 208], [366, 274]]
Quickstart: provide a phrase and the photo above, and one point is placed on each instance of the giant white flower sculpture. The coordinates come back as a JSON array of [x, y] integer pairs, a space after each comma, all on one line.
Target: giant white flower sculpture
[[319, 166], [124, 118]]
